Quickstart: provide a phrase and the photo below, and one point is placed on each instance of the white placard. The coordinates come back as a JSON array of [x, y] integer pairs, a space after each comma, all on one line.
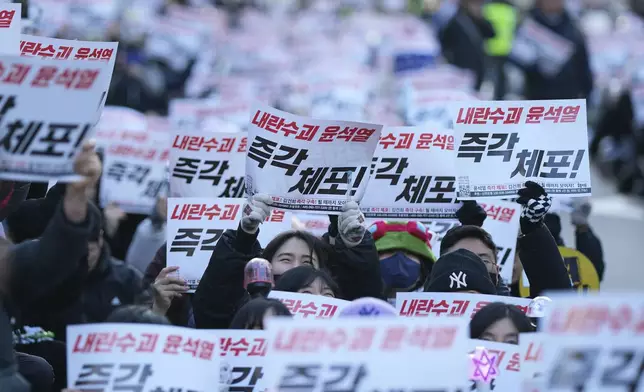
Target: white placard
[[10, 16], [451, 304], [135, 174], [207, 164], [308, 164], [507, 362], [40, 145], [243, 358], [194, 227], [413, 175], [367, 354], [117, 357], [502, 223], [309, 305], [594, 342], [532, 346], [503, 144]]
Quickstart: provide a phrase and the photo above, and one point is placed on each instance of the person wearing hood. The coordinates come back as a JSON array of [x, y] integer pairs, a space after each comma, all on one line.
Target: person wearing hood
[[347, 251], [405, 253], [40, 268], [537, 248], [561, 72], [99, 285]]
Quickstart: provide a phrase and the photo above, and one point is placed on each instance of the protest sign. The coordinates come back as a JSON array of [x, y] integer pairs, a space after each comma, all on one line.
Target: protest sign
[[502, 223], [10, 14], [594, 342], [243, 358], [141, 357], [310, 306], [205, 164], [308, 164], [206, 115], [67, 49], [367, 354], [503, 144], [504, 369], [537, 45], [451, 304], [37, 144], [135, 174], [413, 175], [194, 227], [119, 124], [531, 348], [432, 107]]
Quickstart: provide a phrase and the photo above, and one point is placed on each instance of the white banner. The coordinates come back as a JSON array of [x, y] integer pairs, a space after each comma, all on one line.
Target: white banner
[[141, 357], [40, 145], [594, 342], [506, 359], [10, 14], [135, 175], [310, 306], [502, 223], [367, 354], [502, 144], [451, 304], [206, 115], [243, 358], [308, 164], [67, 49], [413, 175], [207, 164], [195, 225]]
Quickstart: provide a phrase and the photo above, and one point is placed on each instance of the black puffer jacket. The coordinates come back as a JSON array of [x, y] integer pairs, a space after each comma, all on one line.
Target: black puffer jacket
[[221, 291]]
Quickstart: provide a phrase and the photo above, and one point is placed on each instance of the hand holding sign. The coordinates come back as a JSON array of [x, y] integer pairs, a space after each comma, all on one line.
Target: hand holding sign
[[351, 224], [88, 165], [257, 210], [535, 202]]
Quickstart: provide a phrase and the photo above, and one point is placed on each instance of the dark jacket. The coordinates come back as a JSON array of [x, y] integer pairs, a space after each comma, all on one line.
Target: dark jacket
[[180, 308], [221, 292], [12, 193], [88, 296], [542, 262], [575, 79], [463, 43]]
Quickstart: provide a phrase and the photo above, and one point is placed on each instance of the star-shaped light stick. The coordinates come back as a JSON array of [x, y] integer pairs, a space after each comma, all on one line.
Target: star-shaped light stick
[[485, 366]]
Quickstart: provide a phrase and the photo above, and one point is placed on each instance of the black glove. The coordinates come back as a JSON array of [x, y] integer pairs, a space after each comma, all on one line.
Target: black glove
[[535, 204], [471, 213]]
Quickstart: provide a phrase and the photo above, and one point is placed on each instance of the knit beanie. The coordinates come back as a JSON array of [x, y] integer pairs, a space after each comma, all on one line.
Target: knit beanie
[[412, 237]]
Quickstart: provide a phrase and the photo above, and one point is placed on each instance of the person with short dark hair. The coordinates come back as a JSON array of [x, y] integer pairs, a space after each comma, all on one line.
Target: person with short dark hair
[[500, 322], [308, 280], [255, 312], [537, 249]]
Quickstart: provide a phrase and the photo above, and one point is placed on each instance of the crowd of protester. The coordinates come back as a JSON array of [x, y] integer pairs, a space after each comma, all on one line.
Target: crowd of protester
[[64, 260]]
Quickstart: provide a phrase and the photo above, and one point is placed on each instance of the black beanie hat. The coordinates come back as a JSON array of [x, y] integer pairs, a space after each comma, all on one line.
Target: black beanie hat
[[460, 270]]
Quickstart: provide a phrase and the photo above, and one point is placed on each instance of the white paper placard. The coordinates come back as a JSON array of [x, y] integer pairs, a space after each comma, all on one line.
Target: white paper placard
[[503, 144], [308, 164], [128, 356], [40, 145]]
